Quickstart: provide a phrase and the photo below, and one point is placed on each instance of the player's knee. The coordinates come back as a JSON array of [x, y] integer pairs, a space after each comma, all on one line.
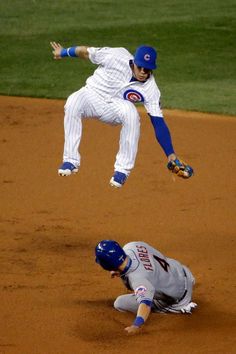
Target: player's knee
[[72, 109], [73, 104], [70, 101], [68, 109], [118, 304]]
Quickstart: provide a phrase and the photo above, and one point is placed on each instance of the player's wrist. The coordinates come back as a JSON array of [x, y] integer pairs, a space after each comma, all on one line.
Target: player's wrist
[[139, 321], [69, 52], [172, 157]]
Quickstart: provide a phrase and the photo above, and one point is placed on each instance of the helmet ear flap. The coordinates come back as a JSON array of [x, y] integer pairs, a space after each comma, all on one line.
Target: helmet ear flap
[[103, 264]]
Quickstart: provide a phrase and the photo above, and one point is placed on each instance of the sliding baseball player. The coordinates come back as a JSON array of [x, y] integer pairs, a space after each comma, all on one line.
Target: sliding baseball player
[[156, 283]]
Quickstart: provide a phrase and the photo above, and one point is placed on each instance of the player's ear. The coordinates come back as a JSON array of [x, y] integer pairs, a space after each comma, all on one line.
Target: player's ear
[[131, 63]]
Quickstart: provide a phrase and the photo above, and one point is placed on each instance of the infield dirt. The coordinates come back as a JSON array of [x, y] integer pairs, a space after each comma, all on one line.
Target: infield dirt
[[54, 298]]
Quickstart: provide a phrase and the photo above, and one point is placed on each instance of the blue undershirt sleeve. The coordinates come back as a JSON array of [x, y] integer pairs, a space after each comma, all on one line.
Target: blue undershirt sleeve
[[162, 134]]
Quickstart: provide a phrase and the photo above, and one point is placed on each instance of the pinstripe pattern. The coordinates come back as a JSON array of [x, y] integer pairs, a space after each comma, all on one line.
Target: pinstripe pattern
[[124, 112], [103, 98]]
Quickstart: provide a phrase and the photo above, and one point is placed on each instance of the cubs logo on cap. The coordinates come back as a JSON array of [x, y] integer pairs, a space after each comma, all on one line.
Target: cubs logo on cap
[[145, 57]]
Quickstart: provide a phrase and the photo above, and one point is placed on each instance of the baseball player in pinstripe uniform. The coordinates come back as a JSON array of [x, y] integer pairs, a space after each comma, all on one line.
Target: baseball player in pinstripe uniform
[[158, 284], [120, 81]]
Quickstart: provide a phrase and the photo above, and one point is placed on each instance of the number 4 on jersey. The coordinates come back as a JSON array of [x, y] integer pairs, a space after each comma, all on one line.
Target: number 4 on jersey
[[162, 262]]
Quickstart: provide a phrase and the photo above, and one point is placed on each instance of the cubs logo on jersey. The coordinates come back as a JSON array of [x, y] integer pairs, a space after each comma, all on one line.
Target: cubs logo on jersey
[[133, 96]]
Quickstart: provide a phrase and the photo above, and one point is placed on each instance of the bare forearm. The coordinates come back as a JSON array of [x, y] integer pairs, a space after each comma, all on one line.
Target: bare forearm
[[82, 52], [142, 315], [144, 311], [77, 51]]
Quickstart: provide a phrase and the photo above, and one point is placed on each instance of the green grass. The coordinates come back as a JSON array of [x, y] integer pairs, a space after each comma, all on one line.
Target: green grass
[[195, 42]]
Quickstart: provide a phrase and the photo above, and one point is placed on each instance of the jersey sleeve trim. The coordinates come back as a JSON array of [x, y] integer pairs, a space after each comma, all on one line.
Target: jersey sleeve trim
[[146, 302], [98, 55]]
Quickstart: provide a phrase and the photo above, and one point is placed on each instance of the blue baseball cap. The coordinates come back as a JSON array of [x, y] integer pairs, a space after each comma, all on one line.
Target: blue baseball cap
[[145, 57]]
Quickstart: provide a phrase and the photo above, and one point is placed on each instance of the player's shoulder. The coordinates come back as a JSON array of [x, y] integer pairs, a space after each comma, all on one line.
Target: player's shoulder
[[108, 55], [112, 49], [152, 89], [152, 81], [135, 245], [121, 52]]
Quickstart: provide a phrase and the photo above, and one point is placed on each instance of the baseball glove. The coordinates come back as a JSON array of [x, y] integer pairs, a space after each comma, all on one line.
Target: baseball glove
[[180, 168]]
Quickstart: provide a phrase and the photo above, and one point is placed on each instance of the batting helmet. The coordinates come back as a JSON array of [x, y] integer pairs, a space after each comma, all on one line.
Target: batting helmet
[[109, 254], [145, 57]]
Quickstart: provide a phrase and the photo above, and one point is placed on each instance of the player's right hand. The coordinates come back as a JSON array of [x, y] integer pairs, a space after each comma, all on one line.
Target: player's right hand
[[57, 48], [131, 330]]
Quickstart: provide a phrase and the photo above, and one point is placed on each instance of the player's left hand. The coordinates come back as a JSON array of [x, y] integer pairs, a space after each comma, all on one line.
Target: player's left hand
[[57, 48], [180, 168], [131, 330]]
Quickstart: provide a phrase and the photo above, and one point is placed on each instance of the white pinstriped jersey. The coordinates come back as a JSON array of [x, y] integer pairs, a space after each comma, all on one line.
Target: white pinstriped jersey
[[152, 275], [113, 77]]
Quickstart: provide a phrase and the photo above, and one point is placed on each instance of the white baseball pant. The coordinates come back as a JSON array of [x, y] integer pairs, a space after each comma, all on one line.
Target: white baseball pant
[[85, 103]]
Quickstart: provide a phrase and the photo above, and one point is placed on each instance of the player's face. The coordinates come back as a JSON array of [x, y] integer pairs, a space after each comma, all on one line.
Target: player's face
[[140, 73]]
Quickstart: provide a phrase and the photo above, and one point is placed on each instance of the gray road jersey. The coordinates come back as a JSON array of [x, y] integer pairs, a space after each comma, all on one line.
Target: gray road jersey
[[152, 275]]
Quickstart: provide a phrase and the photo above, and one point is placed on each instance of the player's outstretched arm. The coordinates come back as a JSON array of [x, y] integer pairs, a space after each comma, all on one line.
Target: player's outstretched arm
[[60, 52], [142, 316], [175, 165]]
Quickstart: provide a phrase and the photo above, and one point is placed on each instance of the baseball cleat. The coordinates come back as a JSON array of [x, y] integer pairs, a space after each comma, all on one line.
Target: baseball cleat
[[118, 179], [188, 308], [66, 169]]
